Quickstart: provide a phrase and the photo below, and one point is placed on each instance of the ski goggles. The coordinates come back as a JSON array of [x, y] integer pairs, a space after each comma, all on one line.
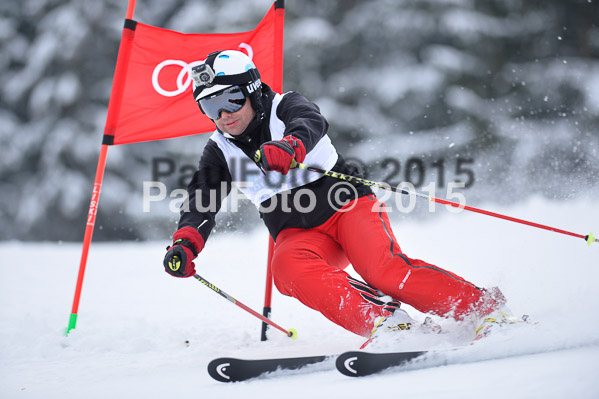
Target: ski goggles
[[230, 100]]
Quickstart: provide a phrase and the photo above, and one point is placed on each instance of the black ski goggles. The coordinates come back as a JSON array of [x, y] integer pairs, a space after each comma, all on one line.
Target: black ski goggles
[[230, 100]]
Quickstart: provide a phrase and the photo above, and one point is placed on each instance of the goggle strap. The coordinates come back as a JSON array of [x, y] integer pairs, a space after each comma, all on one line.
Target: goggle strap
[[249, 76]]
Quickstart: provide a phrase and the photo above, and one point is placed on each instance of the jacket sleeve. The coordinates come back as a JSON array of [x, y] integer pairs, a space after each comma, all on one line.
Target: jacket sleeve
[[210, 184], [302, 119]]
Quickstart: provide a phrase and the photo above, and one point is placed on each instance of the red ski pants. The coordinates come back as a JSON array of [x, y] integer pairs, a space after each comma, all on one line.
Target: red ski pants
[[308, 265]]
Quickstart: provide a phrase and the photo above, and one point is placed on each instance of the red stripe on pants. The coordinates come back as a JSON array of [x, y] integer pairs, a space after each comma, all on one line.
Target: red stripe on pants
[[308, 265]]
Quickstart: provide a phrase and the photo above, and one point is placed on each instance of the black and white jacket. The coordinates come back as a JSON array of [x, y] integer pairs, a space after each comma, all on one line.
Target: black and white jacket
[[300, 199]]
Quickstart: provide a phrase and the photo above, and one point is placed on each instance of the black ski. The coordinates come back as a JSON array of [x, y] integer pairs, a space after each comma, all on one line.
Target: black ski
[[358, 363], [228, 369]]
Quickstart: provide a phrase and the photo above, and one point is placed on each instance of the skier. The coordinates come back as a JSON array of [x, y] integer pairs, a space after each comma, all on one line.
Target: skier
[[319, 224]]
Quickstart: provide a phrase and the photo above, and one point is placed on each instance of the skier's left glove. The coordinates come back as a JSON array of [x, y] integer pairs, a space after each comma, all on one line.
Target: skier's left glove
[[278, 155], [298, 148], [187, 244]]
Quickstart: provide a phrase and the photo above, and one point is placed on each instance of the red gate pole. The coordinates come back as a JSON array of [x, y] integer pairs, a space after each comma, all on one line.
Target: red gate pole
[[277, 87], [113, 109]]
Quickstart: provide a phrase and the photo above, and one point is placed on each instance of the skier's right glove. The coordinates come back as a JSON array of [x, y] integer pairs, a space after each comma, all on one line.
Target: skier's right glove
[[187, 244]]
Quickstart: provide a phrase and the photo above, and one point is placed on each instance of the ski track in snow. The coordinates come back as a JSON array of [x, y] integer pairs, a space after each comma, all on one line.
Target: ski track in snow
[[134, 319]]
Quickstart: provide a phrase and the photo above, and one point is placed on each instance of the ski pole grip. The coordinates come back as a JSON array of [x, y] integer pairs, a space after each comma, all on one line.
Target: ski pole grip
[[258, 158]]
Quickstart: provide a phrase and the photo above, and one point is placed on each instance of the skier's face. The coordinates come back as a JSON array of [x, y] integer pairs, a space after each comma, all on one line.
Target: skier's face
[[235, 123]]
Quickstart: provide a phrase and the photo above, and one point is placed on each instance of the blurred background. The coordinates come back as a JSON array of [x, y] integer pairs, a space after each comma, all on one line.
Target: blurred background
[[501, 95]]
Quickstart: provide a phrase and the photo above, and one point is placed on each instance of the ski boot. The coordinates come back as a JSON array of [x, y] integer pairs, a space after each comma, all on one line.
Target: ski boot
[[399, 323], [495, 320], [493, 312]]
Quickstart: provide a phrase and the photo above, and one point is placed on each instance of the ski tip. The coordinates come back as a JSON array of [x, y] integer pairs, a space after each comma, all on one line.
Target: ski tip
[[292, 333], [219, 370], [346, 364]]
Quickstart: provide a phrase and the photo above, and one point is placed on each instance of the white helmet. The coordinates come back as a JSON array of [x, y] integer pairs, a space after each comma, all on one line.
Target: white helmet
[[224, 69]]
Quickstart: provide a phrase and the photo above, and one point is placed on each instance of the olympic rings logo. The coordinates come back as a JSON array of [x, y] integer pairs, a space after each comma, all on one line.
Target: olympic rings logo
[[183, 80]]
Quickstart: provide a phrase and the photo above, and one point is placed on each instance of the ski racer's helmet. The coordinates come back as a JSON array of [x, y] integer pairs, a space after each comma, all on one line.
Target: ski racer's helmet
[[223, 81]]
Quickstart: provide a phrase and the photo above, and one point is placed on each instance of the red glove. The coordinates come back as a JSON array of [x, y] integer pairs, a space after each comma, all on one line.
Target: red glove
[[187, 244], [277, 155], [298, 147]]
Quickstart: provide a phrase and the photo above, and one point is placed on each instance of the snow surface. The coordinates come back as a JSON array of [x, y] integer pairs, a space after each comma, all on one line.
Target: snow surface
[[135, 319]]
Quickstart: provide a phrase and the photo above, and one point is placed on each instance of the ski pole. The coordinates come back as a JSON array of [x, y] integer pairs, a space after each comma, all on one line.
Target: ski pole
[[291, 333], [589, 238]]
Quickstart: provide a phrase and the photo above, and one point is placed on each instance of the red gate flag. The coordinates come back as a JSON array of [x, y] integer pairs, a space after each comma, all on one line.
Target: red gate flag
[[151, 97], [152, 89]]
